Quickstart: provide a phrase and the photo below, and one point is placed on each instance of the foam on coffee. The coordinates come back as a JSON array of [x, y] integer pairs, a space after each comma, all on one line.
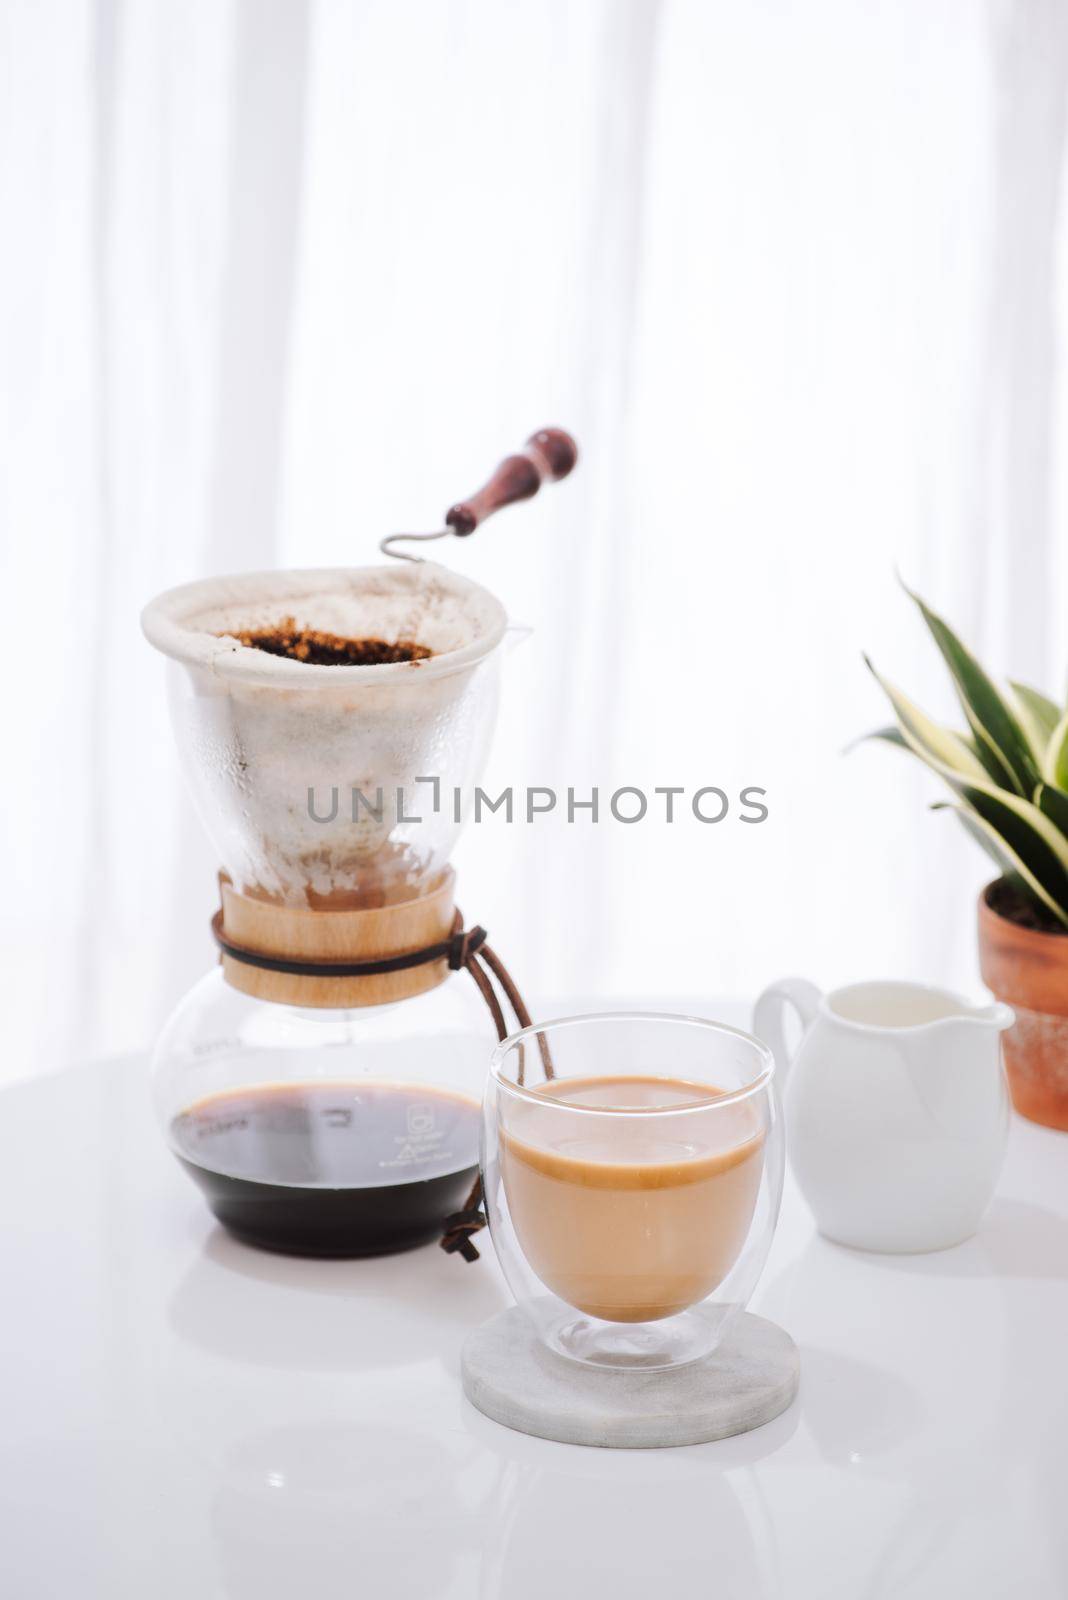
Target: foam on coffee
[[630, 1218]]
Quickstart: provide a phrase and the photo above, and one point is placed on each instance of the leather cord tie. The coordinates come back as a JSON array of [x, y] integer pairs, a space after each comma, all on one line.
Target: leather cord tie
[[456, 949], [465, 950], [463, 945], [458, 1230]]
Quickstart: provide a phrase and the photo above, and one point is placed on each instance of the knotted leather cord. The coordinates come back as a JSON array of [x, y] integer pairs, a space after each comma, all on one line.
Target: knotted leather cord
[[462, 949]]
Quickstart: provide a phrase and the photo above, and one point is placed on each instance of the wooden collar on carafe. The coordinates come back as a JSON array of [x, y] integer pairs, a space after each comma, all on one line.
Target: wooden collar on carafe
[[322, 937]]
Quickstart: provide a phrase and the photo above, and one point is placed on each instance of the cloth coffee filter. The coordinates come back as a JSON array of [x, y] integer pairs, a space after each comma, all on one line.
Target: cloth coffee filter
[[277, 750]]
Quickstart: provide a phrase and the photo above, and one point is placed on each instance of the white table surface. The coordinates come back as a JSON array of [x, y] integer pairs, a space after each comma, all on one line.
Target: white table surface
[[183, 1418]]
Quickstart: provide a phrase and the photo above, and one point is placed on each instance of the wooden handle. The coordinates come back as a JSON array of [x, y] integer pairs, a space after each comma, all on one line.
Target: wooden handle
[[550, 454]]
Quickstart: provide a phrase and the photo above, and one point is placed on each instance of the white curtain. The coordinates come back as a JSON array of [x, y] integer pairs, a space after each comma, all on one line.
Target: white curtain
[[279, 277]]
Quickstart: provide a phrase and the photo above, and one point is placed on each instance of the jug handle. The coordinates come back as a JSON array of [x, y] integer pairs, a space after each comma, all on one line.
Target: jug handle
[[805, 999]]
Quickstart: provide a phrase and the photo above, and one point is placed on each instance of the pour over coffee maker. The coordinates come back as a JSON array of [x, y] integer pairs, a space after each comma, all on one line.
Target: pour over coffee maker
[[322, 1086]]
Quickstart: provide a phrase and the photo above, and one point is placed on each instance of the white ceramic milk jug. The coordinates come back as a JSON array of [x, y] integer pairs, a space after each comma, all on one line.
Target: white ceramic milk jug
[[896, 1109]]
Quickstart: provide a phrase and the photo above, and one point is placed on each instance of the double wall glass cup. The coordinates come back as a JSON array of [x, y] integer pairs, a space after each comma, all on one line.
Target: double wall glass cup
[[632, 1167]]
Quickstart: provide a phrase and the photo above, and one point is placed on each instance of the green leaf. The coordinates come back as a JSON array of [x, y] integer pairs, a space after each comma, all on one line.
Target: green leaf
[[1028, 833], [1038, 716], [889, 735], [1055, 762], [1001, 743], [1053, 803], [1032, 835], [1002, 852], [928, 739]]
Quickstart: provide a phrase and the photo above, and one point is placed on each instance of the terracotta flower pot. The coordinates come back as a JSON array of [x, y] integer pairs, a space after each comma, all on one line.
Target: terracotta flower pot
[[1028, 969]]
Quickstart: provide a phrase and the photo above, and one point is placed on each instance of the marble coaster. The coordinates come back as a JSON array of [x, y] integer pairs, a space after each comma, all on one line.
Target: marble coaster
[[512, 1377]]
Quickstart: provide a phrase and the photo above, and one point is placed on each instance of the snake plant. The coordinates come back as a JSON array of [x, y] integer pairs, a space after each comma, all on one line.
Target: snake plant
[[1008, 771]]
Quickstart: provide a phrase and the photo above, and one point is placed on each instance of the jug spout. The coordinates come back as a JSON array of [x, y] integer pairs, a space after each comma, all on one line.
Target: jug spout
[[996, 1015]]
